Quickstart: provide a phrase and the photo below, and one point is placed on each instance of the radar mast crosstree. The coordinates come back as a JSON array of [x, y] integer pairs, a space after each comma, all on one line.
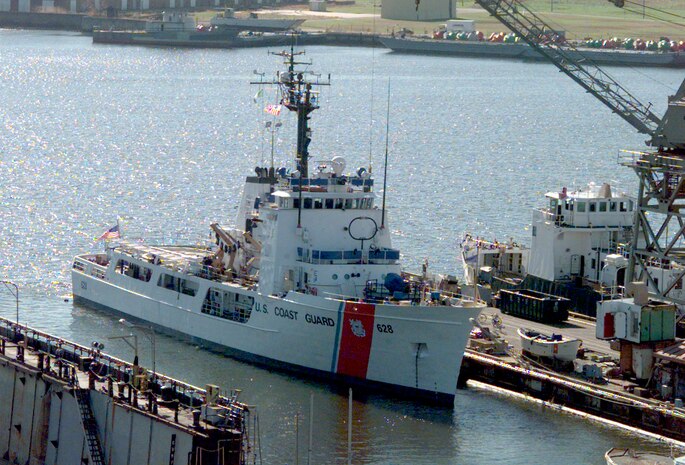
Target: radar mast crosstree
[[297, 95]]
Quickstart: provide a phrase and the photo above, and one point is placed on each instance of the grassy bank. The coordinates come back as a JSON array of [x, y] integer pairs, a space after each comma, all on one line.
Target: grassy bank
[[580, 18]]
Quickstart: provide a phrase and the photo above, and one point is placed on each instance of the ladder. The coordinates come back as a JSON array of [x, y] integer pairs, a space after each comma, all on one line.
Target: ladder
[[90, 426]]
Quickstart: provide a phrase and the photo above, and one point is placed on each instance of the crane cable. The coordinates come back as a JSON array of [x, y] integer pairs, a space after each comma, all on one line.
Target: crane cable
[[658, 10], [653, 16]]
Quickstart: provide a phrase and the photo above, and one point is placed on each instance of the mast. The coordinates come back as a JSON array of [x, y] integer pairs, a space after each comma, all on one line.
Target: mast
[[385, 167], [297, 96]]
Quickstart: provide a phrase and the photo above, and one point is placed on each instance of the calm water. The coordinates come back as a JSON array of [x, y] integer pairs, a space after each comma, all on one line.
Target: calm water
[[163, 138]]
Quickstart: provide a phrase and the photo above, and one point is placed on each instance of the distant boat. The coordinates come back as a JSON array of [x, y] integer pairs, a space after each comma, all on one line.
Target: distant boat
[[227, 19], [619, 456], [178, 29], [523, 51], [556, 346]]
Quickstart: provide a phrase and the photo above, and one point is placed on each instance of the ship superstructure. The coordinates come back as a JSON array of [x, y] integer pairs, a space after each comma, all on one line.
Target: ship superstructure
[[308, 278], [574, 235]]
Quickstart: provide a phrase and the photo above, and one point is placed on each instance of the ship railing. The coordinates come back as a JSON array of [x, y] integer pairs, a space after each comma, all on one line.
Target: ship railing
[[139, 250], [548, 215], [429, 296], [612, 292], [330, 257], [98, 271], [69, 357], [81, 265], [88, 266], [212, 273], [225, 276]]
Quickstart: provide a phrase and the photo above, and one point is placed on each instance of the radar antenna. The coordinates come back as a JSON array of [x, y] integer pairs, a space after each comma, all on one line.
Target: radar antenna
[[297, 95]]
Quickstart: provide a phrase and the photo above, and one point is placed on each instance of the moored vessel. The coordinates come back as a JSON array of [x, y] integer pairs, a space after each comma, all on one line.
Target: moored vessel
[[178, 29], [621, 456], [308, 280], [578, 249], [228, 19], [522, 51], [555, 346]]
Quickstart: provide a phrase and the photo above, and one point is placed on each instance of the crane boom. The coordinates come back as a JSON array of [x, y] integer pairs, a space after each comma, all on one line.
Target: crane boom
[[536, 33]]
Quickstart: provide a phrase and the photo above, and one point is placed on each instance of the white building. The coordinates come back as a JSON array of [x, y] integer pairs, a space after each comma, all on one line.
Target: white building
[[428, 10]]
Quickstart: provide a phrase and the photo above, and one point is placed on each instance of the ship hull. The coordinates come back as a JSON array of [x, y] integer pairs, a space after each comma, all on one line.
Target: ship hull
[[525, 52], [185, 39], [415, 351]]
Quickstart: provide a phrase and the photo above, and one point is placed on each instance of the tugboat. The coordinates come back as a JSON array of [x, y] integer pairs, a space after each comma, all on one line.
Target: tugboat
[[308, 281]]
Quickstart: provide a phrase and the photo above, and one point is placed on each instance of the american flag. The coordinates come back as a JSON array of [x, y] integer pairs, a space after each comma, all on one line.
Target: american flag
[[273, 109], [111, 233]]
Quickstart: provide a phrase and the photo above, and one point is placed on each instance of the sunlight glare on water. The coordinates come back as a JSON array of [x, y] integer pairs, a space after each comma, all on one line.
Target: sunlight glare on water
[[163, 138]]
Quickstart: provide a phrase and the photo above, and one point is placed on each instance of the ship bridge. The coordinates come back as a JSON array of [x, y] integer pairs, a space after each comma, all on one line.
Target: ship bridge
[[589, 208]]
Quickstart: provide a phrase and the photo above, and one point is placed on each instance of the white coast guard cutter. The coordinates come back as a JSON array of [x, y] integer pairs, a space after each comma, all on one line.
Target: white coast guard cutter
[[309, 281]]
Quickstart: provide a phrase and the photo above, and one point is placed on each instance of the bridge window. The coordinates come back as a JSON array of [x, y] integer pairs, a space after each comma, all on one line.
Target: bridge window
[[623, 207], [602, 206], [581, 207], [593, 207], [612, 206]]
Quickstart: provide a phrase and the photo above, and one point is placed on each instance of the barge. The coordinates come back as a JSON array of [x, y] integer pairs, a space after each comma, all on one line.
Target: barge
[[522, 51]]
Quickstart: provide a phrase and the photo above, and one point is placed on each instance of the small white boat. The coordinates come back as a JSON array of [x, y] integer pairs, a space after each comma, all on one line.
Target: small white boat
[[556, 346], [619, 456]]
